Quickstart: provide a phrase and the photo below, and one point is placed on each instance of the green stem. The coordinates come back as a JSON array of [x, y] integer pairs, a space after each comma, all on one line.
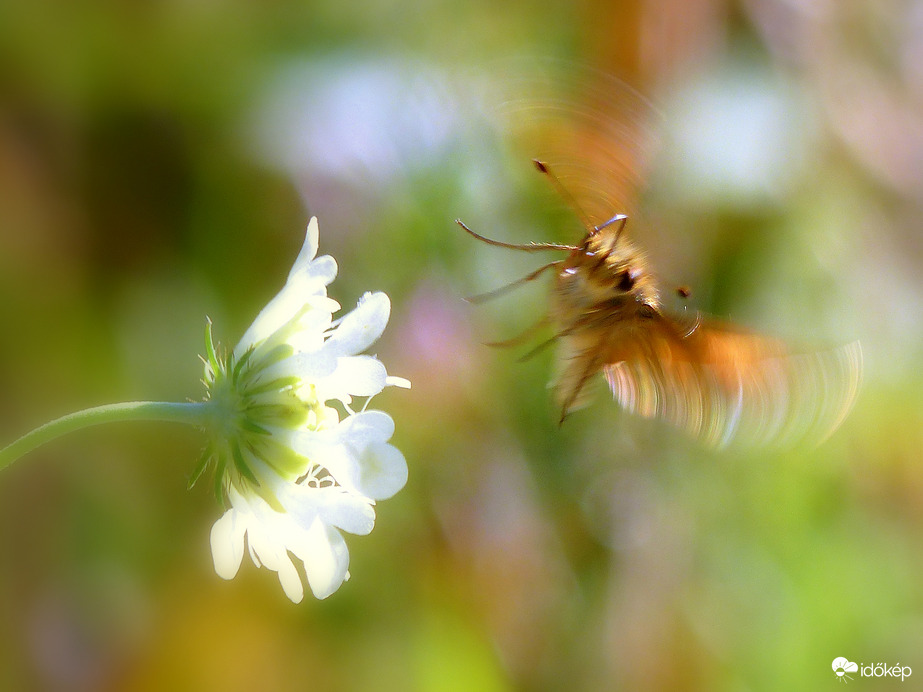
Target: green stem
[[191, 413]]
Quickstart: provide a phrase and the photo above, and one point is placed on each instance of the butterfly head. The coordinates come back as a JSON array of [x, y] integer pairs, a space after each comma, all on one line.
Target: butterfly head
[[606, 270]]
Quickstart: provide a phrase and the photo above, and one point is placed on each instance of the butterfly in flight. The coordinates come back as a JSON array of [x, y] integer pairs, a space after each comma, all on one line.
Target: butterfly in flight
[[718, 382]]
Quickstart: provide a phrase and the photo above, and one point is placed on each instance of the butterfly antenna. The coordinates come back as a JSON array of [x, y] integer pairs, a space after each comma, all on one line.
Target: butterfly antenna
[[569, 198], [529, 247], [544, 169]]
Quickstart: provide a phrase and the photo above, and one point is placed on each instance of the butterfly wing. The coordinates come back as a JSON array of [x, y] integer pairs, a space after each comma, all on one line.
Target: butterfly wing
[[719, 383], [598, 135]]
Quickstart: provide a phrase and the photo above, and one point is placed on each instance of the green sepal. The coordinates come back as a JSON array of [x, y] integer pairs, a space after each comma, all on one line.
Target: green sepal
[[248, 425], [200, 466], [219, 485], [210, 347], [273, 385], [241, 465], [292, 415], [281, 458], [239, 365], [265, 359]]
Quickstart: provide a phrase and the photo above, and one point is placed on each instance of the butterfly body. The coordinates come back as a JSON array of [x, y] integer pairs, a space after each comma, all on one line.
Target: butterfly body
[[606, 272], [603, 295]]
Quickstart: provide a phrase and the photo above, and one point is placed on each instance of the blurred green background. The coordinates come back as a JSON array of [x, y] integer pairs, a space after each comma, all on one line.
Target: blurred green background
[[158, 163]]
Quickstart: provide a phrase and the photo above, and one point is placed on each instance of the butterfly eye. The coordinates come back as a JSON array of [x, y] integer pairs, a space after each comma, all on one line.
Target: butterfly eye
[[626, 280]]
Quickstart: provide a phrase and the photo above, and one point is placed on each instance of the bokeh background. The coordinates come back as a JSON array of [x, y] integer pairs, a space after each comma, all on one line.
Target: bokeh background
[[158, 163]]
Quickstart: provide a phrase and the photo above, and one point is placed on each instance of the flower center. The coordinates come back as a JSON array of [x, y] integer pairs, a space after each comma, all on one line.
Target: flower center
[[254, 401], [229, 412]]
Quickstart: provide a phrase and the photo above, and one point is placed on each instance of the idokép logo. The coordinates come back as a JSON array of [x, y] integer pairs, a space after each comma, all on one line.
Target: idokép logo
[[845, 670], [842, 668]]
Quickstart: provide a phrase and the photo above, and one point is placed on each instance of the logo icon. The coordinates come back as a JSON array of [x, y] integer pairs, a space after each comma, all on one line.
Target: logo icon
[[841, 667]]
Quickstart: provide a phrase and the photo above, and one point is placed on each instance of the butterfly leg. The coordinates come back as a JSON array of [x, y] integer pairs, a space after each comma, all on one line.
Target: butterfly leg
[[483, 297]]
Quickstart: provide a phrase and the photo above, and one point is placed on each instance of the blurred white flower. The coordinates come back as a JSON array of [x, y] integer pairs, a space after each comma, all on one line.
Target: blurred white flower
[[293, 472], [741, 136], [356, 120]]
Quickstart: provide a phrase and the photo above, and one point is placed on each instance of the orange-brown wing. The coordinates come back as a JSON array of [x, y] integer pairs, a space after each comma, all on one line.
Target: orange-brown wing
[[597, 135], [721, 384], [579, 357]]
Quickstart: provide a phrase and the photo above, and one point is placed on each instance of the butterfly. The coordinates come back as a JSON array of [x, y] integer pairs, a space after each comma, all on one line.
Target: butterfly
[[716, 381]]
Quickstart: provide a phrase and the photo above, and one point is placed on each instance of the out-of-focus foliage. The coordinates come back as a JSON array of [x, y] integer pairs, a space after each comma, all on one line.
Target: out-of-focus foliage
[[158, 162]]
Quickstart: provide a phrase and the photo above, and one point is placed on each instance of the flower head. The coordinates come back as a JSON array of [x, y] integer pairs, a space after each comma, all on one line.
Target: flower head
[[293, 471]]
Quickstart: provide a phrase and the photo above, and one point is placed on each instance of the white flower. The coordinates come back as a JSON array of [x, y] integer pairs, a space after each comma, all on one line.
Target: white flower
[[293, 472]]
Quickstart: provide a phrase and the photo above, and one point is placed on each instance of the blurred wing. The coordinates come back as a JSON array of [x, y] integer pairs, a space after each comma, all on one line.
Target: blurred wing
[[595, 132], [721, 384]]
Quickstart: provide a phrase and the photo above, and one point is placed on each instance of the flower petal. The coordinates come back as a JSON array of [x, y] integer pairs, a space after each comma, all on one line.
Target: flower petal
[[308, 249], [227, 542], [314, 276], [292, 299], [345, 510], [290, 580], [323, 447], [308, 367], [306, 333], [341, 451], [353, 376], [369, 426], [361, 328], [382, 471], [270, 535], [306, 268], [401, 382], [307, 279], [325, 557]]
